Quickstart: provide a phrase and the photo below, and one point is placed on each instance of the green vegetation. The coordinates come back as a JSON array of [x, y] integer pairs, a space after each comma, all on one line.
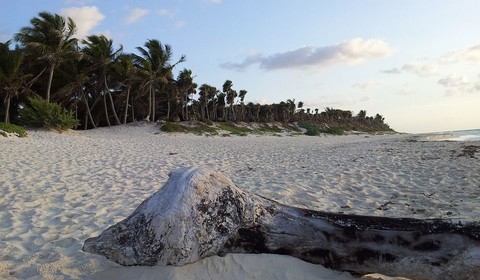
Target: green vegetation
[[106, 86], [197, 128], [225, 129], [41, 113], [11, 128], [335, 130], [233, 129], [312, 130]]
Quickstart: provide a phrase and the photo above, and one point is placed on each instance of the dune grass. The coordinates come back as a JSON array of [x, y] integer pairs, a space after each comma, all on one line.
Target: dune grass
[[11, 128]]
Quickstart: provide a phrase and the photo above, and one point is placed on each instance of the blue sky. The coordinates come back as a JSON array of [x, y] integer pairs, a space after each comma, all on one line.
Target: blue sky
[[416, 62]]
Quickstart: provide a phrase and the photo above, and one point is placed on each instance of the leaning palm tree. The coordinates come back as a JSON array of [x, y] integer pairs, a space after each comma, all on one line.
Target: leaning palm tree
[[50, 39], [156, 70], [100, 53]]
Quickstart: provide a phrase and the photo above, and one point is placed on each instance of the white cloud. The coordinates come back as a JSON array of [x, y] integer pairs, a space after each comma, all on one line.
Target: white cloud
[[392, 71], [135, 15], [349, 52], [470, 54], [86, 18], [454, 80], [458, 84], [165, 13], [214, 1], [366, 85], [422, 69]]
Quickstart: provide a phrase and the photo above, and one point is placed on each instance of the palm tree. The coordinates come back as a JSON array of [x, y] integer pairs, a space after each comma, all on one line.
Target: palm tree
[[186, 87], [230, 94], [100, 53], [76, 90], [50, 39], [291, 109], [127, 78], [155, 67], [241, 95], [206, 93], [221, 104], [11, 77], [362, 114]]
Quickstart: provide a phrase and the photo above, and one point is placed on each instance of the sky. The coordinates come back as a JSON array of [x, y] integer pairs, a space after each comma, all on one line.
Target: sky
[[416, 62]]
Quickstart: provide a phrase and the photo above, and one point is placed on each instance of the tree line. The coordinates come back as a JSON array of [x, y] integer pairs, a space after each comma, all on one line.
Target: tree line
[[102, 85]]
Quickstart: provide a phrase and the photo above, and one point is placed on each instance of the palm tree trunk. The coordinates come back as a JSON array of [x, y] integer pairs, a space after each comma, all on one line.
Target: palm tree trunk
[[168, 109], [7, 109], [113, 108], [112, 105], [233, 112], [89, 112], [50, 79], [150, 102], [86, 121], [133, 108], [106, 109], [126, 106], [186, 106], [154, 107]]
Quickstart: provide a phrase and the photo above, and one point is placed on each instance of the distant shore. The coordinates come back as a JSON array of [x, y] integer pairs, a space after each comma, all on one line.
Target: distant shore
[[59, 189]]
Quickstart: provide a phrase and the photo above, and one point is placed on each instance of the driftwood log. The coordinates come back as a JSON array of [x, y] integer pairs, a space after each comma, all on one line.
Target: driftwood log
[[200, 213]]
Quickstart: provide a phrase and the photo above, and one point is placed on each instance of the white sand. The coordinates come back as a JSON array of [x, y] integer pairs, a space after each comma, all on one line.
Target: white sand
[[56, 190]]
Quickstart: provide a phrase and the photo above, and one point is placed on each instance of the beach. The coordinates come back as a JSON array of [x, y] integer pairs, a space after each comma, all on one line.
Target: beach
[[58, 189]]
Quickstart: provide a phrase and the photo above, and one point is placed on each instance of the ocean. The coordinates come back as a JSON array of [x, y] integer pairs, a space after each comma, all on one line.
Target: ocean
[[458, 135]]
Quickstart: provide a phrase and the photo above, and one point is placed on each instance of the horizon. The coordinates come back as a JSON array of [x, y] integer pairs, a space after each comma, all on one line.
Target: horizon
[[413, 62]]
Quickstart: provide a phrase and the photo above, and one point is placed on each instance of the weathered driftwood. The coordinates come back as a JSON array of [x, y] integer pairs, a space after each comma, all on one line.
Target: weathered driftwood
[[200, 213]]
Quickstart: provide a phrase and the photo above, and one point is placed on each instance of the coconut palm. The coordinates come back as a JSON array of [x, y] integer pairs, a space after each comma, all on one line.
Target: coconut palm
[[241, 95], [99, 51], [206, 93], [127, 78], [50, 40], [186, 87], [156, 70], [362, 114], [230, 94], [11, 77], [77, 90]]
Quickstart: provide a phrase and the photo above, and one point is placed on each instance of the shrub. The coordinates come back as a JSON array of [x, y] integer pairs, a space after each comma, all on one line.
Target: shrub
[[312, 130], [11, 128], [198, 128], [41, 113], [333, 130], [173, 127], [233, 129]]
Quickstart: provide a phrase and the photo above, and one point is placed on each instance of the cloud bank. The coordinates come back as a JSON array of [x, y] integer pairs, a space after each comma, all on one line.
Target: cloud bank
[[349, 52], [86, 18]]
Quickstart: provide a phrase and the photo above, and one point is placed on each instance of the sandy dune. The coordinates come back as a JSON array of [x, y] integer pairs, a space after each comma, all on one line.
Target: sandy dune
[[56, 190]]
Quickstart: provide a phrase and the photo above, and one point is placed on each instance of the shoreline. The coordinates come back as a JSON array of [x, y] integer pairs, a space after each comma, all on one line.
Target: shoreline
[[59, 189]]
